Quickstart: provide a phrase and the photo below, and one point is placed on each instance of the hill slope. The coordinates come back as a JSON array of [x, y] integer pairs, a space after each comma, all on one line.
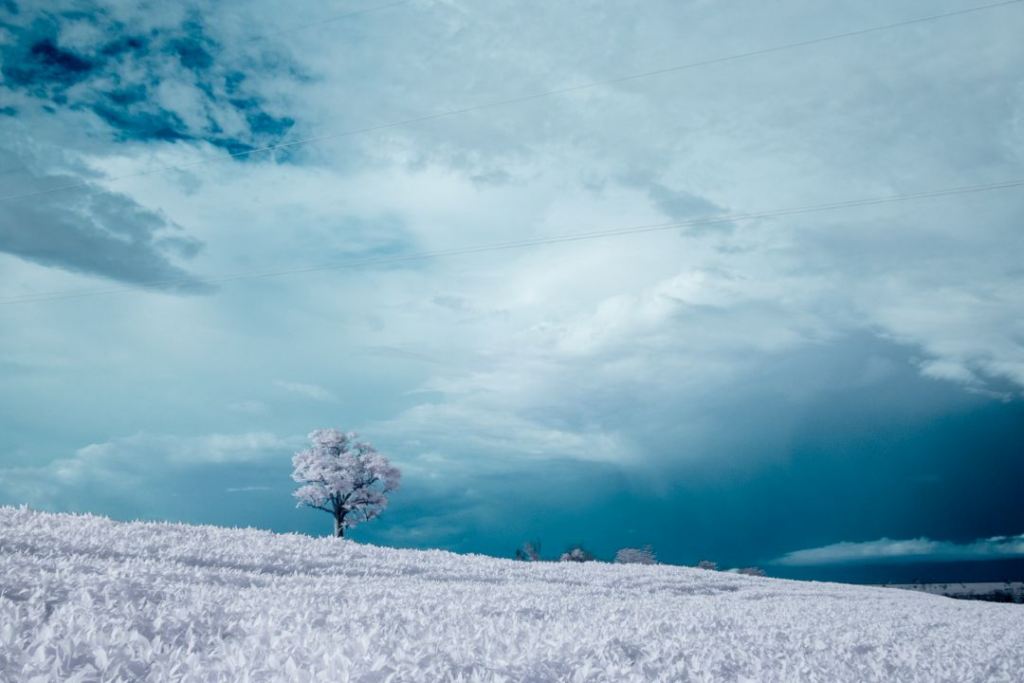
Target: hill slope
[[82, 595]]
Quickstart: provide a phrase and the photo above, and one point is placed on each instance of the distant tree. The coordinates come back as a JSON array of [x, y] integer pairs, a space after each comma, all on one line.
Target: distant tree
[[529, 552], [576, 554], [643, 555], [707, 564], [751, 571], [345, 478]]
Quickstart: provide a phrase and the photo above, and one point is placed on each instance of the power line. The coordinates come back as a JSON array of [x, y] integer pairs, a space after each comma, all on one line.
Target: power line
[[250, 38], [522, 98], [539, 241]]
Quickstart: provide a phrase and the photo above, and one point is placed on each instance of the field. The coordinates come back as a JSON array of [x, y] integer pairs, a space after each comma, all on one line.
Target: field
[[85, 598]]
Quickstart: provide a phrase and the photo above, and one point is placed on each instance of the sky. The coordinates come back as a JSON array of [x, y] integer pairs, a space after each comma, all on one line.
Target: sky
[[213, 219]]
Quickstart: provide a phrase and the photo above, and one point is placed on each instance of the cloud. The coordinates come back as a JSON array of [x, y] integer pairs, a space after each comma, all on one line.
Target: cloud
[[311, 391], [135, 464], [157, 78], [88, 81], [679, 205], [456, 432], [250, 407], [912, 550], [94, 232], [207, 448]]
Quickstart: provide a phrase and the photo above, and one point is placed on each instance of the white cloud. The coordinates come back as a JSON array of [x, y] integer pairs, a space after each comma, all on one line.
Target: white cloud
[[250, 407], [135, 464], [313, 391], [207, 448], [434, 432], [915, 549]]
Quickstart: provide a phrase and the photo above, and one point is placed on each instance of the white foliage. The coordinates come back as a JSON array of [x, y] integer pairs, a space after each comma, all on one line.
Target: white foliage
[[643, 555], [529, 552], [347, 478], [577, 554], [83, 598], [751, 571]]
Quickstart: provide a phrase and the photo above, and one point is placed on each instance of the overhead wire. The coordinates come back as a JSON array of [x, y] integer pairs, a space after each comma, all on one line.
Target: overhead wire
[[515, 100], [531, 242]]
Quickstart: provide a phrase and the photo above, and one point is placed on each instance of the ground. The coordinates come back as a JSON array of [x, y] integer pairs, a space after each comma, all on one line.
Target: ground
[[85, 598]]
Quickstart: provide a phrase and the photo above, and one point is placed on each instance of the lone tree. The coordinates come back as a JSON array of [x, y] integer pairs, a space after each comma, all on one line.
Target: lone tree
[[346, 478]]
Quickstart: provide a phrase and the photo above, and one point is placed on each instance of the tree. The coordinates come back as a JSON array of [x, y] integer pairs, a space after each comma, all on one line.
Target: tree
[[345, 478], [707, 564], [529, 552], [643, 555], [576, 554]]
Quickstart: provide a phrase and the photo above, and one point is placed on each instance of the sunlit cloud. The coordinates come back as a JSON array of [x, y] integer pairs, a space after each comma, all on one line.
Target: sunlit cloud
[[911, 550]]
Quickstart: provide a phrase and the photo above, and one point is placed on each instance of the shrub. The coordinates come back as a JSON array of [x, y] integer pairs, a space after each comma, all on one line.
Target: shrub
[[643, 555], [751, 571], [576, 554], [529, 552]]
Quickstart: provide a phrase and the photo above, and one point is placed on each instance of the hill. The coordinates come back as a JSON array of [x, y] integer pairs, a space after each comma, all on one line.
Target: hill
[[87, 598]]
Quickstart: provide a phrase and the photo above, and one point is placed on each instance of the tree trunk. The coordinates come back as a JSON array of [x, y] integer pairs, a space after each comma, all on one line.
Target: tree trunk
[[339, 526]]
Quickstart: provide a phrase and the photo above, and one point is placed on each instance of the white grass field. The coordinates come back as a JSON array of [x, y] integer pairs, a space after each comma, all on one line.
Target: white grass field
[[88, 599]]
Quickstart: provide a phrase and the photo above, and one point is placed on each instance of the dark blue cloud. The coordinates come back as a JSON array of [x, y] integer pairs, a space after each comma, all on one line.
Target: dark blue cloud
[[119, 76], [118, 80], [194, 51], [123, 45], [98, 233], [42, 69], [142, 125], [855, 456], [54, 63]]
